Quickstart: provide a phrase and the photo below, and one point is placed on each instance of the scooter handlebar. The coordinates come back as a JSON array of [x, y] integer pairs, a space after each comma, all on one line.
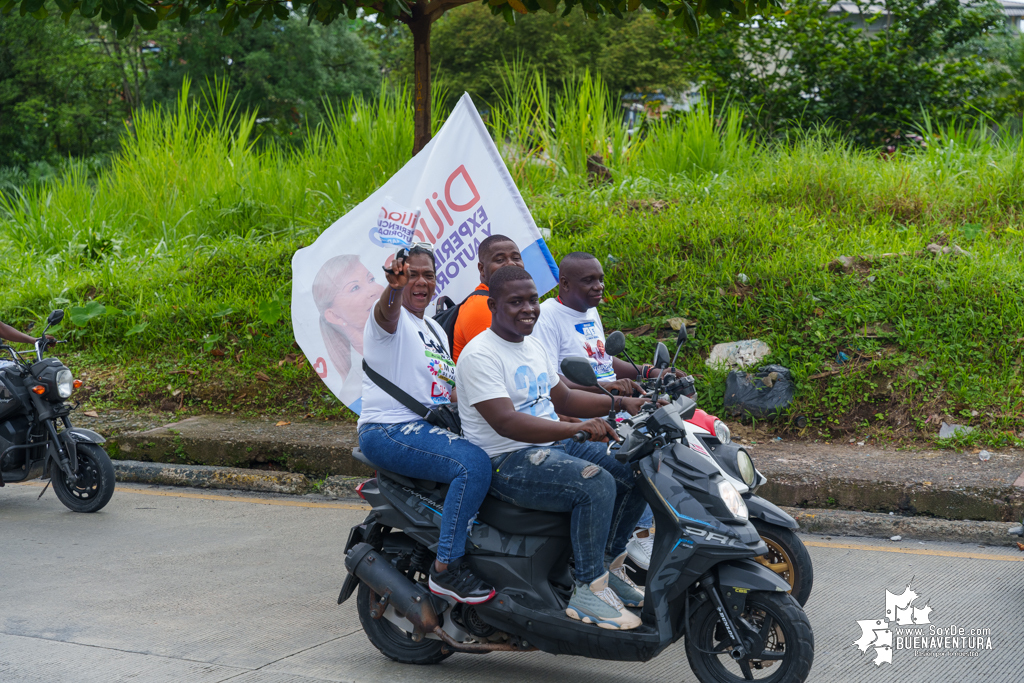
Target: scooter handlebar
[[580, 437]]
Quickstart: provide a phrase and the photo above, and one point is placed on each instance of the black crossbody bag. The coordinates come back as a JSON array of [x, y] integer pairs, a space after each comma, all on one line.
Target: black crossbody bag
[[445, 415]]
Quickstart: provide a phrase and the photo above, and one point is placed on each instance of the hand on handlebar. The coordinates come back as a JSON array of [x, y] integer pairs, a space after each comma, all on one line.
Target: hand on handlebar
[[624, 387], [596, 429], [633, 405]]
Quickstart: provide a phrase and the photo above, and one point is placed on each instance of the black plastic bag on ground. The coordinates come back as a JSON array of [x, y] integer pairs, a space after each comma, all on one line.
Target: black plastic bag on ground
[[764, 394]]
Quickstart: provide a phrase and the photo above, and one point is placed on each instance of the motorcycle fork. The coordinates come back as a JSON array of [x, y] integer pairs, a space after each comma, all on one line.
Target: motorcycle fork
[[63, 459], [739, 651]]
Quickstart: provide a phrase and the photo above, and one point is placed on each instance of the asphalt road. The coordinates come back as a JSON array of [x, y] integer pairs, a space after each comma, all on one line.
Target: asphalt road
[[185, 585]]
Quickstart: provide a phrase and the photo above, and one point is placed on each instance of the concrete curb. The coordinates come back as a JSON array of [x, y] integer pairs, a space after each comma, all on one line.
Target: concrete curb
[[834, 522], [874, 525], [235, 478]]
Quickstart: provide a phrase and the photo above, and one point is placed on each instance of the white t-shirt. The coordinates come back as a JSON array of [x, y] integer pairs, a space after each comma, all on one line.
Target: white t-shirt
[[414, 359], [490, 367], [564, 332]]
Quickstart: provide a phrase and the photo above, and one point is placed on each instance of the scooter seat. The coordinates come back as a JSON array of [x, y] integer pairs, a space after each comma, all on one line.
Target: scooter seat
[[411, 482], [513, 519]]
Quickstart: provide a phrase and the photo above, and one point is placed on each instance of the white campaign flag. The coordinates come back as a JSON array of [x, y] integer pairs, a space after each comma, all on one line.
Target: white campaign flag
[[453, 194]]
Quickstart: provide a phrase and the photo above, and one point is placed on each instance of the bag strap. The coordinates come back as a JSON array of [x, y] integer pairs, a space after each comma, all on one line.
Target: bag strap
[[431, 328], [394, 392]]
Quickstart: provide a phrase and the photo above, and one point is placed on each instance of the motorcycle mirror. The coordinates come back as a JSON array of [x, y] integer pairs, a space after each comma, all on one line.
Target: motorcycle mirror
[[661, 358], [579, 370], [682, 336], [55, 317], [615, 344]]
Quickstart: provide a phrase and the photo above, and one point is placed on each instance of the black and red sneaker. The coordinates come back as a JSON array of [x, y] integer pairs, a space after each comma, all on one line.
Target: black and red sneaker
[[460, 583]]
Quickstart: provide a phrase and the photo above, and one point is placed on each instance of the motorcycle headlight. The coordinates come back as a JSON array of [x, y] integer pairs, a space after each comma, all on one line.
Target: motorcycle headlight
[[745, 466], [722, 432], [65, 383], [733, 499]]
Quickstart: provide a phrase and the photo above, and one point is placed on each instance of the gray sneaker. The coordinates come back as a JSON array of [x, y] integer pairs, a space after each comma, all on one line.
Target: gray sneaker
[[629, 593], [598, 604]]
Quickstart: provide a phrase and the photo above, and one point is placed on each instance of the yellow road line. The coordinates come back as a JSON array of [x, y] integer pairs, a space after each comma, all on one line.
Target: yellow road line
[[230, 499], [914, 551], [351, 506]]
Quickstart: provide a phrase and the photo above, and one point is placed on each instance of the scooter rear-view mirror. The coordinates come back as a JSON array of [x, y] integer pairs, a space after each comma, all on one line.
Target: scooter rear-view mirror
[[615, 344], [661, 358], [55, 317], [579, 371]]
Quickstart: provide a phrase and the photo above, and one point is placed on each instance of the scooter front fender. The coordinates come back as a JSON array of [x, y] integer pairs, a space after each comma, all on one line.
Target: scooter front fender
[[767, 511], [738, 578]]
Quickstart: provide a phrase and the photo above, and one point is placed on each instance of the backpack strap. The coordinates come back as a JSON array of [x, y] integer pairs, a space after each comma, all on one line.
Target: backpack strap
[[394, 392]]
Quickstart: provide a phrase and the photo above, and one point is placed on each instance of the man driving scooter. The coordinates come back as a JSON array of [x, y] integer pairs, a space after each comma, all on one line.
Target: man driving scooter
[[571, 326], [509, 393]]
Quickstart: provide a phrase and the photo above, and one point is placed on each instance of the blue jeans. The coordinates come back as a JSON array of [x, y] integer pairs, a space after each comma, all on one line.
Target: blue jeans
[[598, 489], [418, 449], [647, 521]]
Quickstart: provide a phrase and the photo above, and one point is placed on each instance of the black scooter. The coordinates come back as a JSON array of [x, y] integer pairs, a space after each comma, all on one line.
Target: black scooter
[[703, 584], [787, 556], [36, 436]]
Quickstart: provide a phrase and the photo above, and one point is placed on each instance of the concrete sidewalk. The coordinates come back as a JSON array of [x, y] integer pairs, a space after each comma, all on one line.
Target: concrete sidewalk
[[947, 485]]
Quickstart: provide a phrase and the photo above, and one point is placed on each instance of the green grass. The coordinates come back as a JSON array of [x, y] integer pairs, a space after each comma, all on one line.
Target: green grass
[[186, 241]]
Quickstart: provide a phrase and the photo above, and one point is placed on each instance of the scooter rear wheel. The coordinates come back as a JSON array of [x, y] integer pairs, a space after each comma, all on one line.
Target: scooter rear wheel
[[785, 641], [95, 483], [393, 642]]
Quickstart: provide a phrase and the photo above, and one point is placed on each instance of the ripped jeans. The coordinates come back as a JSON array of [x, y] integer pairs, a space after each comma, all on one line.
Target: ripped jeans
[[420, 450], [597, 488]]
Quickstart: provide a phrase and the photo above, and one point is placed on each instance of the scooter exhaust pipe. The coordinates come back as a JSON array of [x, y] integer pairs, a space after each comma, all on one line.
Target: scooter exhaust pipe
[[393, 588]]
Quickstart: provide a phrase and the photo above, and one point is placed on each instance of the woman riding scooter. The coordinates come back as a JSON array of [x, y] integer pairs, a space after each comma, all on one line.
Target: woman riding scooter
[[406, 352]]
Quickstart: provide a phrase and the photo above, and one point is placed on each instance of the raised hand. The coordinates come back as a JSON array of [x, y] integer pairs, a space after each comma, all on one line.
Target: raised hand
[[398, 274]]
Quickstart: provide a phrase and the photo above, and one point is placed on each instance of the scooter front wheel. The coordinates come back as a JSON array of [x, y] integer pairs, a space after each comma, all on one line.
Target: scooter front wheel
[[95, 483], [783, 642], [393, 642], [788, 557]]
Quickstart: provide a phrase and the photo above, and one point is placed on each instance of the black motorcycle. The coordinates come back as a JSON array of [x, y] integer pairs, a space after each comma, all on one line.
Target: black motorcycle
[[36, 436], [736, 615], [787, 556]]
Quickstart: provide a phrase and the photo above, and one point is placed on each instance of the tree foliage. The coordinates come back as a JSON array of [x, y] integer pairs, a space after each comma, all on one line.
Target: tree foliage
[[808, 66], [471, 48], [58, 94]]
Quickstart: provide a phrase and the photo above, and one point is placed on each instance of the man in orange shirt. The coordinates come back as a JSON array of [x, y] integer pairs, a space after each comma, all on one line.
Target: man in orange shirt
[[496, 251]]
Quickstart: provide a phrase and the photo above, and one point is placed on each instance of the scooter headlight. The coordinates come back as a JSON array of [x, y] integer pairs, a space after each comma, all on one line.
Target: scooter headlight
[[65, 383], [733, 499], [745, 466], [722, 432]]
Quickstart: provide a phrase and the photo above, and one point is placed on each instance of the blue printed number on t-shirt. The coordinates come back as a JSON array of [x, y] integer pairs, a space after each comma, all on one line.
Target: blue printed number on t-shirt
[[538, 390]]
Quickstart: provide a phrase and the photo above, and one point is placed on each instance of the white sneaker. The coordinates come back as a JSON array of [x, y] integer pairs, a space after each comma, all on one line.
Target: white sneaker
[[598, 604], [640, 548]]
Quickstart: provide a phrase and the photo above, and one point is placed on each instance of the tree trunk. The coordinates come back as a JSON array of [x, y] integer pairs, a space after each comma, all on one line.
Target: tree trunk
[[419, 24]]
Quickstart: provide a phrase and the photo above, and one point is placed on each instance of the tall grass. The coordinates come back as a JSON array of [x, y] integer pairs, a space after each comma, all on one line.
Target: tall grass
[[187, 239]]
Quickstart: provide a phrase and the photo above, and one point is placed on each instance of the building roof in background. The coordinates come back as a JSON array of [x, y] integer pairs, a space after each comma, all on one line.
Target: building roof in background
[[1012, 8]]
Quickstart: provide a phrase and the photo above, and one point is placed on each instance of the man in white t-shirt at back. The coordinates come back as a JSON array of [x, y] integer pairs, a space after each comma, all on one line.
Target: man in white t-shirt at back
[[571, 326]]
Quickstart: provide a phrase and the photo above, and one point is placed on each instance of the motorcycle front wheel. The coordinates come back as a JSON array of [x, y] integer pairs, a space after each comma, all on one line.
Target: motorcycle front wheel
[[788, 557], [785, 643], [95, 483]]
